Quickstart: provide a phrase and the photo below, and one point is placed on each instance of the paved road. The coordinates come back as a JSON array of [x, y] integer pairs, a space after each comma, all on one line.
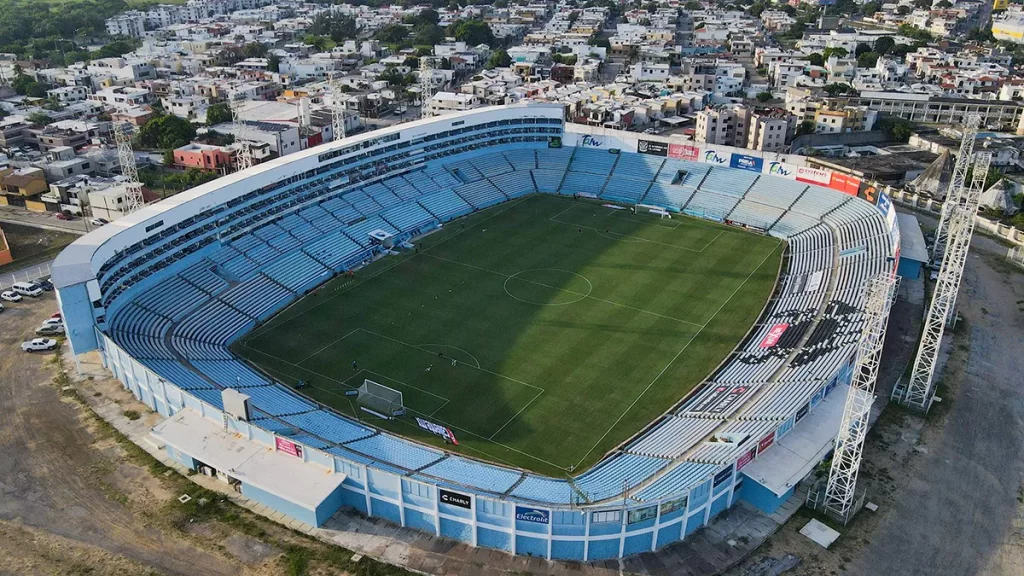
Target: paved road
[[51, 470], [47, 220], [960, 513]]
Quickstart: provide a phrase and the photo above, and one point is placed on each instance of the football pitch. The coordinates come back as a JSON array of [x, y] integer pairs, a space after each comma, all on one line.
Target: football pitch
[[544, 331]]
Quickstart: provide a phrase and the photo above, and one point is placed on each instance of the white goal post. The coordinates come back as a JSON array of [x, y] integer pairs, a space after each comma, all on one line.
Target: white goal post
[[380, 400]]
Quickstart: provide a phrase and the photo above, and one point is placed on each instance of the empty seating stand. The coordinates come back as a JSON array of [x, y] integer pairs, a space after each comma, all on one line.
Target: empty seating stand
[[445, 205], [480, 194]]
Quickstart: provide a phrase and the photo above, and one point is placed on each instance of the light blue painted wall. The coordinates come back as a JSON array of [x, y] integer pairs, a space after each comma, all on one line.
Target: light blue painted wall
[[78, 316], [279, 504], [762, 498]]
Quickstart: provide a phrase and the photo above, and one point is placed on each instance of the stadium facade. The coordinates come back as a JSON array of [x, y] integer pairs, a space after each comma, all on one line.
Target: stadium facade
[[161, 294]]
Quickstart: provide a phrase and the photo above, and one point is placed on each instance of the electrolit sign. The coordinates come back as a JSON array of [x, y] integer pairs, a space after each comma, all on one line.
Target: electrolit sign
[[744, 162], [712, 157], [535, 515], [588, 141]]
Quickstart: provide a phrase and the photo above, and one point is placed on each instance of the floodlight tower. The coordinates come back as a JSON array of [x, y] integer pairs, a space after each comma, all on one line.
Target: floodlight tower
[[126, 157], [919, 392], [243, 154], [842, 480], [956, 184], [426, 83], [337, 108]]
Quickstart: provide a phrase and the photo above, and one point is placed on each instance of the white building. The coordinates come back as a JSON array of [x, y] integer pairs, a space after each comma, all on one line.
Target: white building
[[447, 102]]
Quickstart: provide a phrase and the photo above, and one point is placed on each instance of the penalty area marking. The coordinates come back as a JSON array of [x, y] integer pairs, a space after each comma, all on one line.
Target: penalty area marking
[[425, 347], [580, 295]]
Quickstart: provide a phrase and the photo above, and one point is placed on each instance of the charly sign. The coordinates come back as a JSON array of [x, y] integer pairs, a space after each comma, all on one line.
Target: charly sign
[[455, 499]]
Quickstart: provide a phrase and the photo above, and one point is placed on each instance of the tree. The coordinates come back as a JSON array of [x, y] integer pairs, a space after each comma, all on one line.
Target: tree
[[218, 114], [39, 119], [897, 129], [994, 175], [922, 4], [838, 52], [427, 34], [902, 10], [861, 49], [884, 45], [336, 26], [166, 131], [633, 54], [499, 59], [805, 127], [943, 4], [319, 43], [835, 89], [26, 85], [692, 5], [981, 36], [869, 8], [914, 33], [394, 77], [816, 59], [273, 63], [392, 34], [254, 50], [472, 32], [867, 60], [763, 97]]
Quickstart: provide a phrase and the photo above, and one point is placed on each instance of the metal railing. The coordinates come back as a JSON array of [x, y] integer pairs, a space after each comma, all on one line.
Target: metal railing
[[27, 274]]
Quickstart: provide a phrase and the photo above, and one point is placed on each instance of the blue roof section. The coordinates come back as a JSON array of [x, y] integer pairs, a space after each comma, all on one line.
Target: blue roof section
[[470, 473], [611, 476], [675, 481], [548, 490]]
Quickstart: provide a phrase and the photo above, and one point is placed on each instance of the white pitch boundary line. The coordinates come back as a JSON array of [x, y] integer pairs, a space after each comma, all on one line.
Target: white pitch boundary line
[[425, 346], [639, 238], [674, 358], [326, 346], [516, 415], [396, 340], [584, 296]]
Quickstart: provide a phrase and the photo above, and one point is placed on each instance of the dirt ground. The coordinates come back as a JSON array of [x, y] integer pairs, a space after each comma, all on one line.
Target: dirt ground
[[26, 241], [77, 498], [949, 486]]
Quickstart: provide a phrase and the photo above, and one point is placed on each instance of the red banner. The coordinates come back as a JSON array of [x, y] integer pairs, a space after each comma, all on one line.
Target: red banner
[[745, 459], [288, 447], [683, 151], [773, 335], [766, 442], [845, 184]]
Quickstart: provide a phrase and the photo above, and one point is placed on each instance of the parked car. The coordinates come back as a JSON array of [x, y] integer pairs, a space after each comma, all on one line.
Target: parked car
[[57, 315], [934, 275], [53, 322], [99, 221], [65, 216], [27, 289], [39, 345], [10, 296], [50, 330], [1, 307], [45, 284]]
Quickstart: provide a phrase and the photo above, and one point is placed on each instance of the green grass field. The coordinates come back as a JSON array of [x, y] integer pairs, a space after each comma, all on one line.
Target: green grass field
[[573, 326]]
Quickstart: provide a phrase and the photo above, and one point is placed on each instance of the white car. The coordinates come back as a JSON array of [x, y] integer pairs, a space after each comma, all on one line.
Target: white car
[[39, 344], [98, 221], [10, 296], [53, 322]]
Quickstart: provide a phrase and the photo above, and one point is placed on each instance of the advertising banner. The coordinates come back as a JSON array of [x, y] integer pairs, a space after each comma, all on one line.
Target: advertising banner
[[868, 192], [844, 183], [721, 398], [781, 170], [651, 147], [534, 515], [641, 514], [774, 334], [812, 175], [883, 204], [722, 476], [802, 412], [456, 499], [713, 157], [745, 459], [288, 447], [673, 505], [442, 431], [683, 151], [766, 442], [745, 162], [590, 141]]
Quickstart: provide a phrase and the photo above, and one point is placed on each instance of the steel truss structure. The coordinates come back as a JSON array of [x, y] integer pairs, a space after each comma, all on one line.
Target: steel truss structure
[[243, 152], [842, 480], [426, 83], [126, 157], [919, 392], [337, 108], [956, 184]]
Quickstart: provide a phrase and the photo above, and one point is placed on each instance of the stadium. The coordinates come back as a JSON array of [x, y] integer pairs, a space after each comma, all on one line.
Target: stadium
[[493, 326]]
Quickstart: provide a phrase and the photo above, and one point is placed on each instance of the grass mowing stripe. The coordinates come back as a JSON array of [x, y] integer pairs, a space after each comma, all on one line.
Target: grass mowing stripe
[[592, 357]]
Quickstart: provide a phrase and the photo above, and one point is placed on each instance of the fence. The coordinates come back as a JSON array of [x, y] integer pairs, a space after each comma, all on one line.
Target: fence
[[28, 274], [1016, 255]]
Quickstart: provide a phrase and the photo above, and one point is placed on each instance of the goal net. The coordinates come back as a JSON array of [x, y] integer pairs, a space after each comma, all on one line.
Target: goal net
[[380, 399]]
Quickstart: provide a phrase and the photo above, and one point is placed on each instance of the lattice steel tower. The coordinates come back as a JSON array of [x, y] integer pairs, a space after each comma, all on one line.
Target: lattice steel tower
[[126, 157], [337, 108], [919, 391], [880, 294], [956, 184], [243, 152], [426, 83]]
